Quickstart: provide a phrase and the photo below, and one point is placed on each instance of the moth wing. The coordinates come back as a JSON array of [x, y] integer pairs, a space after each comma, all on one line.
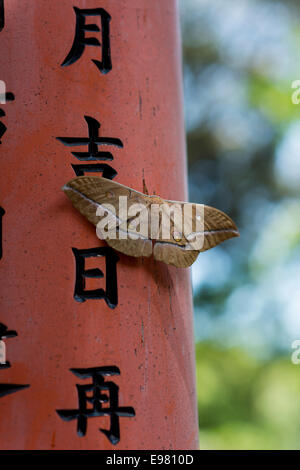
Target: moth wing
[[218, 227], [172, 247], [88, 193], [137, 242], [205, 226], [212, 228], [174, 254], [136, 248], [171, 220]]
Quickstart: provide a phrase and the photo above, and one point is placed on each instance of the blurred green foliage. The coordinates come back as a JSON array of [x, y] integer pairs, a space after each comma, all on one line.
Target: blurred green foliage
[[245, 402], [243, 142]]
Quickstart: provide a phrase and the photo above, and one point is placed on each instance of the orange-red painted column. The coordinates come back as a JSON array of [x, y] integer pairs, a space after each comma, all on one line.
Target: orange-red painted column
[[136, 359]]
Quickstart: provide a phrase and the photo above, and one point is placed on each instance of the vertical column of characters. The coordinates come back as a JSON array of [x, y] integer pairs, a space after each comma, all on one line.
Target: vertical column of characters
[[94, 393], [5, 388]]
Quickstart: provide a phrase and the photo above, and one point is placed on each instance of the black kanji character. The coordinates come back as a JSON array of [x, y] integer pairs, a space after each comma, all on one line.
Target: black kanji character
[[93, 141], [97, 387], [80, 40], [8, 97], [110, 294], [2, 17], [106, 170]]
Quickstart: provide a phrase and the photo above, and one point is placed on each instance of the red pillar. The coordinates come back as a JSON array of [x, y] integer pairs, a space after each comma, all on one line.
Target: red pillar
[[148, 336]]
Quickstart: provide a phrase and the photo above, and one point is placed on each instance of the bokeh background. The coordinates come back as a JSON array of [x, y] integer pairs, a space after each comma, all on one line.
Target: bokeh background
[[243, 137]]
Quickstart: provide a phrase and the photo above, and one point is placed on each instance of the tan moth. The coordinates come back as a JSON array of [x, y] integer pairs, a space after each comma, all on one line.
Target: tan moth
[[137, 224]]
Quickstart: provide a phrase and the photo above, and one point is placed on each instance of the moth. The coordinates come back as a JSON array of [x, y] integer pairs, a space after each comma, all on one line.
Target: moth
[[138, 224]]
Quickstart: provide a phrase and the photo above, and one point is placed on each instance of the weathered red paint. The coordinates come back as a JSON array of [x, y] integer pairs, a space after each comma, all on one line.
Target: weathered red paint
[[149, 335]]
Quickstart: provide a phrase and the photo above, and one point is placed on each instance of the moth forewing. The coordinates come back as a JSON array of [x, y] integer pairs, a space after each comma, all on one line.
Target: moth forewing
[[194, 226], [174, 254], [171, 221], [138, 221], [106, 227], [123, 216], [154, 221]]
